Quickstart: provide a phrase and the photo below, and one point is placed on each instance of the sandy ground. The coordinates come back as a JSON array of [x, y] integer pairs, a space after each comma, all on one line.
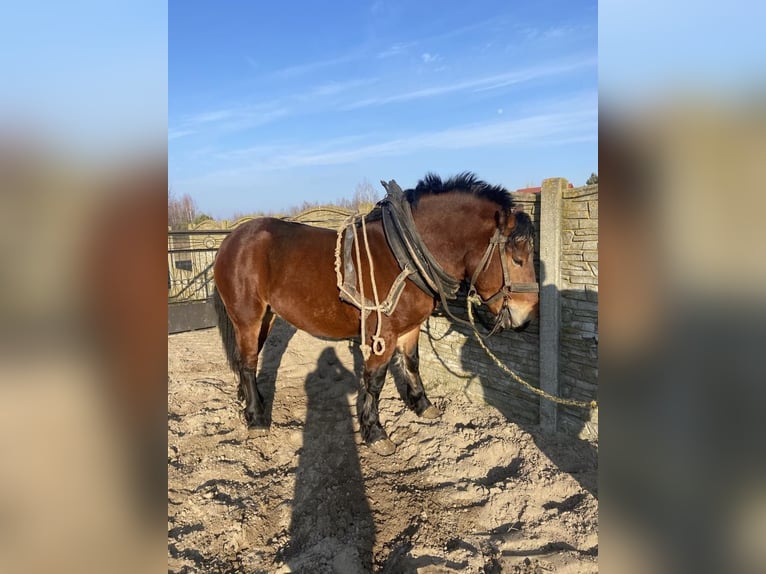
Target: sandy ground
[[469, 492]]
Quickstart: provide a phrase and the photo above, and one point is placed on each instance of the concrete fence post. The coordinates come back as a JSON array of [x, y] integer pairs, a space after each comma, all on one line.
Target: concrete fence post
[[550, 298]]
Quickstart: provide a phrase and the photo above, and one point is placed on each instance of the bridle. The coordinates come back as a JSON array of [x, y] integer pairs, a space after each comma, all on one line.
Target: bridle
[[412, 254], [499, 242]]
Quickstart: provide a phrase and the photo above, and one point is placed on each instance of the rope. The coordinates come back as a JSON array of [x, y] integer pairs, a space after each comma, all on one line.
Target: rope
[[365, 348], [338, 242], [517, 378], [378, 343]]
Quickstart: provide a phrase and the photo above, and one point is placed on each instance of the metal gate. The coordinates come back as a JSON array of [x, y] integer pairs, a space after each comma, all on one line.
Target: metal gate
[[191, 255]]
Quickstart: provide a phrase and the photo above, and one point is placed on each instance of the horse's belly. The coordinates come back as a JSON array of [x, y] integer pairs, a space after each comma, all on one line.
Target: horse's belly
[[332, 321]]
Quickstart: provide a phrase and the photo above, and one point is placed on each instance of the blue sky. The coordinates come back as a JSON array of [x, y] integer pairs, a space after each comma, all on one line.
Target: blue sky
[[274, 103]]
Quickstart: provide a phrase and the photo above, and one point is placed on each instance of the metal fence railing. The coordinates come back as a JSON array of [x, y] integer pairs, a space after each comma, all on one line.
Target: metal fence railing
[[190, 263]]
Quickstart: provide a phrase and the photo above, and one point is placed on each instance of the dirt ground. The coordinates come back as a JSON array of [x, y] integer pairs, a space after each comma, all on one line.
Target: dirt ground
[[469, 492]]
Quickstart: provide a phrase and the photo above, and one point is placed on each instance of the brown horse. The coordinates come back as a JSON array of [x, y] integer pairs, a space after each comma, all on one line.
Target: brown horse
[[270, 267]]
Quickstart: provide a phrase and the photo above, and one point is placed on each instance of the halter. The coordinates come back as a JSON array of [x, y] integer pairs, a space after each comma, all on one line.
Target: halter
[[499, 241]]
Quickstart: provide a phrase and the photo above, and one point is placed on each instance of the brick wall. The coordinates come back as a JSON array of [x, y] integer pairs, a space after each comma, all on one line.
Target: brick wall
[[578, 338]]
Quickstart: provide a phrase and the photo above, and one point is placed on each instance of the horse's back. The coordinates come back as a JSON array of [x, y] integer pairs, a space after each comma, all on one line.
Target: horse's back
[[288, 266], [239, 250], [264, 245]]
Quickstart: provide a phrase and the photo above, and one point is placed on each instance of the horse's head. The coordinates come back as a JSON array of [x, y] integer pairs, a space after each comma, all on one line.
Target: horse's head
[[506, 281]]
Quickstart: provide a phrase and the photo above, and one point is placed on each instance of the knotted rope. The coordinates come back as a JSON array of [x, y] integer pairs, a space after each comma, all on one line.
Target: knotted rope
[[378, 343]]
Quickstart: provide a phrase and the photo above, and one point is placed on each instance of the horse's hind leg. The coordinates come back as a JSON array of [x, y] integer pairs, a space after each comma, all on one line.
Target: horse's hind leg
[[251, 341], [406, 365], [255, 408]]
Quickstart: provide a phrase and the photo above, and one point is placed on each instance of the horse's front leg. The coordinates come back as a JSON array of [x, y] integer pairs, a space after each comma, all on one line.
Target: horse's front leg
[[405, 365], [367, 406]]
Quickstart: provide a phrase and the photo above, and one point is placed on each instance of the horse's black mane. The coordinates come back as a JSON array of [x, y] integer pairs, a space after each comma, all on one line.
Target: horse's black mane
[[465, 182]]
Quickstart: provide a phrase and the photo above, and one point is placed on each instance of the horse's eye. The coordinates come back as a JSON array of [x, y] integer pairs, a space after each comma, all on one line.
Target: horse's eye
[[517, 261]]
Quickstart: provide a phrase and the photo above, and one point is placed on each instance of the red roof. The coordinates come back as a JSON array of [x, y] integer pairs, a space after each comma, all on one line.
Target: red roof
[[537, 189]]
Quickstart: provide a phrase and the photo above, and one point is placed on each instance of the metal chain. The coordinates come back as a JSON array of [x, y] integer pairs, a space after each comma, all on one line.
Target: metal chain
[[517, 378]]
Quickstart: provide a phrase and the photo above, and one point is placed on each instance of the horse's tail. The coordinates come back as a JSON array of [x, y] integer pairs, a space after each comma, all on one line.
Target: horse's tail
[[226, 329]]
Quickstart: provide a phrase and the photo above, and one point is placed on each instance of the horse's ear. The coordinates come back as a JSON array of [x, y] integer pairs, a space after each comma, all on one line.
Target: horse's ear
[[501, 220]]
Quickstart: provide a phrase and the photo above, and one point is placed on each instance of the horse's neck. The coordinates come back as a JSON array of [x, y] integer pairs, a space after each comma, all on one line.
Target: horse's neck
[[451, 226]]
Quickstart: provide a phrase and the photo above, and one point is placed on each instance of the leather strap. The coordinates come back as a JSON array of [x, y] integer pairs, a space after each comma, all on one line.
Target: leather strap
[[409, 249], [349, 292]]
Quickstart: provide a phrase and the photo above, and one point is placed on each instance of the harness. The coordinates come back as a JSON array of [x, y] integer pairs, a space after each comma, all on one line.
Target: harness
[[419, 266], [415, 261]]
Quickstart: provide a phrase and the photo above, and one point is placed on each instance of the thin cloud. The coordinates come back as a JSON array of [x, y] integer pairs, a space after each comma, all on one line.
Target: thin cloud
[[549, 33], [270, 151], [541, 129], [504, 80], [558, 31], [302, 69], [211, 117], [242, 117], [395, 50], [336, 88], [174, 134], [377, 7], [475, 84], [399, 48], [552, 129], [249, 119], [232, 119]]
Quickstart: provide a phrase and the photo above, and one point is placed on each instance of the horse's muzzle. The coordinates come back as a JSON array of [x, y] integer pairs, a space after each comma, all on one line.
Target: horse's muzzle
[[508, 319]]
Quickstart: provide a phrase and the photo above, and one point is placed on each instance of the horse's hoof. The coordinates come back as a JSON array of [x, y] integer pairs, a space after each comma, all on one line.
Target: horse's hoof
[[383, 447], [431, 413], [257, 425], [257, 430]]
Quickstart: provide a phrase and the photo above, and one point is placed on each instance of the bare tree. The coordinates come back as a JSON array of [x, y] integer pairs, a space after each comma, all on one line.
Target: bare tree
[[181, 211], [365, 196]]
